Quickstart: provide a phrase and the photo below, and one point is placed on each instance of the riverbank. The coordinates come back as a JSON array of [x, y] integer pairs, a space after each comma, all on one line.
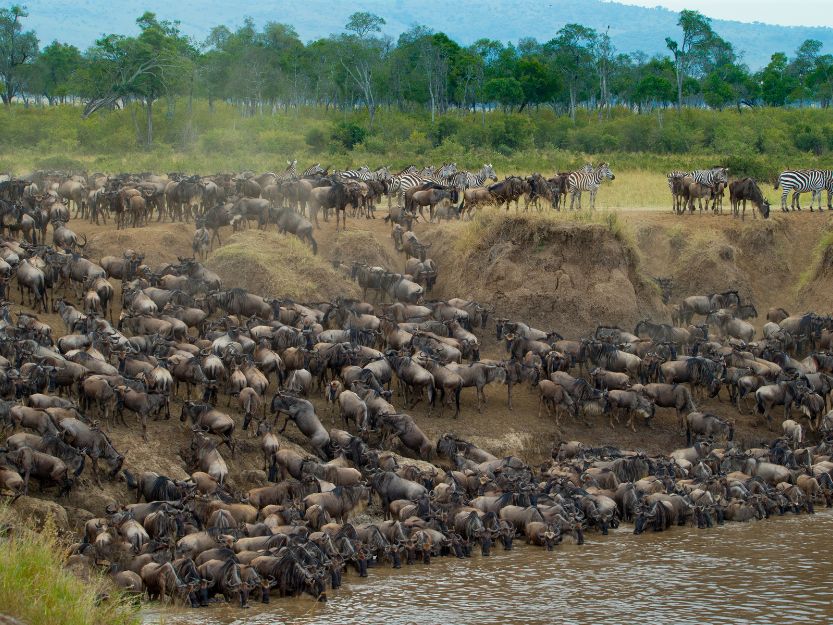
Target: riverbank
[[37, 589]]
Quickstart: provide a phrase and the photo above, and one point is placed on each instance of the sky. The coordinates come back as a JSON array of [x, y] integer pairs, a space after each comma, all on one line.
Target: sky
[[789, 13]]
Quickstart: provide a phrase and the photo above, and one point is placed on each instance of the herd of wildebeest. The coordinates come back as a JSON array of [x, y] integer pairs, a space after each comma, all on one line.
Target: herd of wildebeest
[[141, 340]]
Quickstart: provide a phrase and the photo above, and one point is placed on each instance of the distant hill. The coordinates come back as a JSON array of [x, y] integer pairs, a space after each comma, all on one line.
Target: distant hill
[[632, 28]]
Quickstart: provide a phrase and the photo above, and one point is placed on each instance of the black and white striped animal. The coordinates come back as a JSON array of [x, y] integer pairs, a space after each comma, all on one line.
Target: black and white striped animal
[[314, 170], [288, 174], [804, 181], [465, 180], [579, 181], [401, 183], [708, 177]]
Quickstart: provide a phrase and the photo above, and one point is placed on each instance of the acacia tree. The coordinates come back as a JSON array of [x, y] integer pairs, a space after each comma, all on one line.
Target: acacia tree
[[697, 36], [17, 49]]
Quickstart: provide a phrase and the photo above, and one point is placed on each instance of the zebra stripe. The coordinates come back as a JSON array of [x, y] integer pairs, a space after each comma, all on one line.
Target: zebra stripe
[[707, 177], [804, 181], [290, 173], [584, 180], [315, 170], [465, 180]]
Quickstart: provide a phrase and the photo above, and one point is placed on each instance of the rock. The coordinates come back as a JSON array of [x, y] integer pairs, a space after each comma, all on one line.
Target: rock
[[34, 510]]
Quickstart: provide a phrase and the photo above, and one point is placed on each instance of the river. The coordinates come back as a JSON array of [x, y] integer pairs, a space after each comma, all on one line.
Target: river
[[769, 572]]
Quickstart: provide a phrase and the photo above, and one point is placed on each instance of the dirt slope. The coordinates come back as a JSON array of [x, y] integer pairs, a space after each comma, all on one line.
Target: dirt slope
[[563, 274]]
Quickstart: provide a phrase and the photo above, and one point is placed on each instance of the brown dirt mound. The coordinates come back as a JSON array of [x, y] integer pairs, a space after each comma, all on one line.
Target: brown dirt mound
[[361, 246], [268, 263], [569, 273], [160, 242]]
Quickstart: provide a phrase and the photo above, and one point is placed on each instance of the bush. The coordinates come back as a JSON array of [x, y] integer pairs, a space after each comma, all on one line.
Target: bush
[[316, 138], [348, 134], [810, 140], [446, 127]]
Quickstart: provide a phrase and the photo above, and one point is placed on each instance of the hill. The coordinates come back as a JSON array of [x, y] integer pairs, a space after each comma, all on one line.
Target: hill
[[632, 28]]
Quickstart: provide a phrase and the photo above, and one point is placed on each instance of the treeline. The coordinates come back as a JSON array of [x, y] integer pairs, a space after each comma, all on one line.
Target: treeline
[[760, 143], [270, 69]]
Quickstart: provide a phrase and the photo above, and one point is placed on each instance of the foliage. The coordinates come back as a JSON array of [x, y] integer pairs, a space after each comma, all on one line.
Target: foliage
[[36, 588], [269, 68], [348, 134], [763, 140], [17, 49]]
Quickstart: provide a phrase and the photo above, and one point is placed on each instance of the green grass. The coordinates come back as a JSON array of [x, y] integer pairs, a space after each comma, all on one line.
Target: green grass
[[639, 148], [35, 587], [814, 268]]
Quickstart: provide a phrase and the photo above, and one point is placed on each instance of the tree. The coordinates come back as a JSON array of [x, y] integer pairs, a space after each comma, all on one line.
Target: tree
[[54, 69], [605, 51], [538, 84], [573, 56], [156, 63], [506, 91], [776, 82], [362, 24], [820, 79], [697, 35], [362, 55], [802, 67], [17, 48]]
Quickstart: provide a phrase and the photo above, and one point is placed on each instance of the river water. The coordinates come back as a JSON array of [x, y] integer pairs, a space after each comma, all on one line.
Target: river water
[[775, 571]]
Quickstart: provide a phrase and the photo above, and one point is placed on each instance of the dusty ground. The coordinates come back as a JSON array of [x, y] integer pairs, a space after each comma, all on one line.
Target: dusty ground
[[564, 275]]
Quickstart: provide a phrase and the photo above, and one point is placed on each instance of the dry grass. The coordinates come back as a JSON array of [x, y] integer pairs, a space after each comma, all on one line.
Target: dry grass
[[272, 264], [35, 587], [535, 227]]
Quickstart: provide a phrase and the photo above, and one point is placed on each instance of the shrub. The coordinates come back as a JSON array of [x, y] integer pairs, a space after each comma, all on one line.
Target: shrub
[[316, 138], [348, 134]]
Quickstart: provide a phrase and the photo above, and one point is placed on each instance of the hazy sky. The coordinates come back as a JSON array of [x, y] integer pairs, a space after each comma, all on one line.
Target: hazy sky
[[790, 13]]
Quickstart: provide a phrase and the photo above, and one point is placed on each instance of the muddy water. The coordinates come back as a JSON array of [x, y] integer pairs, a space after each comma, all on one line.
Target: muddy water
[[775, 571]]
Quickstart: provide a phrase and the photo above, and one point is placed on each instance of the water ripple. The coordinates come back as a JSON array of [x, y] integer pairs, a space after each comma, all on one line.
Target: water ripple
[[763, 573]]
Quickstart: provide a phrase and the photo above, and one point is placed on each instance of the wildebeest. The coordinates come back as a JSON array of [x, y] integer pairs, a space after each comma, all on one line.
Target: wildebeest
[[747, 189]]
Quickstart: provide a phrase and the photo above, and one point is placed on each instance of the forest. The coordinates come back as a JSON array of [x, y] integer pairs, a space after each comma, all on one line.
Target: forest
[[360, 96]]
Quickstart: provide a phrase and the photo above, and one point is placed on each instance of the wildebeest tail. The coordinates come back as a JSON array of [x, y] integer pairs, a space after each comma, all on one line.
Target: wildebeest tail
[[689, 401], [759, 404]]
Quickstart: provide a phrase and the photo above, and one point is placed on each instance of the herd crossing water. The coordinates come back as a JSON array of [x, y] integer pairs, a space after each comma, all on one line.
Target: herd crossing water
[[769, 572]]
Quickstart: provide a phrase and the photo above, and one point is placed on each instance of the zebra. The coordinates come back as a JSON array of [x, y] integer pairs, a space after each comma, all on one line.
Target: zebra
[[801, 181], [716, 178], [362, 173], [402, 183], [315, 170], [708, 177], [579, 181], [288, 174], [464, 180]]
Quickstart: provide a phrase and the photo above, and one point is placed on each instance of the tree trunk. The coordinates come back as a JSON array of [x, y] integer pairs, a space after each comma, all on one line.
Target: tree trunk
[[679, 87], [573, 102], [149, 111]]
